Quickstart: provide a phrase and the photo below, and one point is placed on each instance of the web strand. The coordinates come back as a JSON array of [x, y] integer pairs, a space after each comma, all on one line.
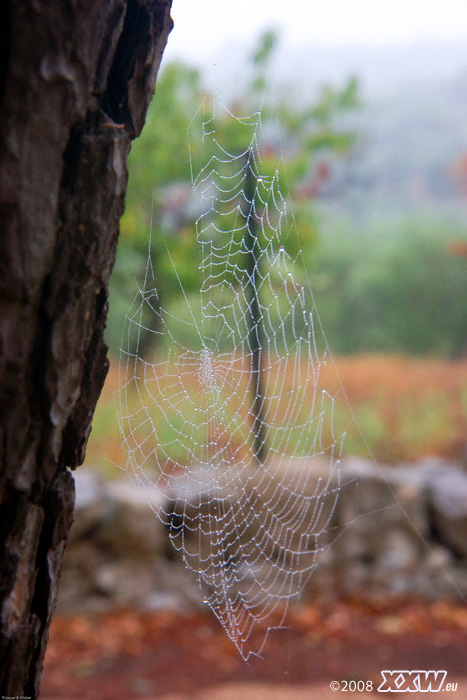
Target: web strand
[[228, 429]]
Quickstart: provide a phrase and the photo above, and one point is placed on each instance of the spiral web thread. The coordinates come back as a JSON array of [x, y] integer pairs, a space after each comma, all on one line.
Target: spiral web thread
[[249, 528]]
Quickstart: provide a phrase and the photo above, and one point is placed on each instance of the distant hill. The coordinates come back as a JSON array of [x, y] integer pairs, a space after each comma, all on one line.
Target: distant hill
[[413, 126], [381, 68], [411, 156]]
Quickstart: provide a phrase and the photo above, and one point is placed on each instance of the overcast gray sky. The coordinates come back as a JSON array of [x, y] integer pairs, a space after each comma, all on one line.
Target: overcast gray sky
[[203, 26]]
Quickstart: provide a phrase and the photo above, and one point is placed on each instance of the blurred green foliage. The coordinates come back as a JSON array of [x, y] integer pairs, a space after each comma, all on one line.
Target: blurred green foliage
[[398, 289], [164, 160]]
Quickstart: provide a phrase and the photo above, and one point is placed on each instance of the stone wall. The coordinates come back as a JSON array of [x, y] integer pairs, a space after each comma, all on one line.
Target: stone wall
[[394, 531]]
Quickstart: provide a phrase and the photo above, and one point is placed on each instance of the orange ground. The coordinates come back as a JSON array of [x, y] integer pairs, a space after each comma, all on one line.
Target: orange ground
[[404, 408], [169, 656]]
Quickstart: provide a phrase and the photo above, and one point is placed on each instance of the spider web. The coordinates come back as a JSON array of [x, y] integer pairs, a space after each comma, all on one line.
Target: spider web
[[228, 429]]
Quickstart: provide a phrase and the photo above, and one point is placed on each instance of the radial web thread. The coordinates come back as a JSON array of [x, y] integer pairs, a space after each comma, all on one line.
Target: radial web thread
[[229, 430]]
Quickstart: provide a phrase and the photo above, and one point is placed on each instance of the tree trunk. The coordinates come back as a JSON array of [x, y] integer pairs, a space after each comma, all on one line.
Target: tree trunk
[[76, 78]]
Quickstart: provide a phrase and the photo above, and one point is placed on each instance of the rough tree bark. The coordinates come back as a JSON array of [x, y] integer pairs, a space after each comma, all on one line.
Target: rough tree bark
[[76, 78]]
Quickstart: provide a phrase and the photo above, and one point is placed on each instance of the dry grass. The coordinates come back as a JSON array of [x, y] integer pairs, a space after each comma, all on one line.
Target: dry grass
[[398, 408]]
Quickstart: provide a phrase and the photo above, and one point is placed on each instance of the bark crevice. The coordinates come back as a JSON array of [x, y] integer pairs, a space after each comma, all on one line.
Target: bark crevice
[[70, 75], [116, 103]]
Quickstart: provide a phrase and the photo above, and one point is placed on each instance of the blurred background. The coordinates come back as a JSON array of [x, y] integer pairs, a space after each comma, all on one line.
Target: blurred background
[[370, 106], [370, 99]]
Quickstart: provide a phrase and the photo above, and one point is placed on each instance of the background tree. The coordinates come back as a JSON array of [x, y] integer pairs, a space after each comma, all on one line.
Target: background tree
[[75, 83], [303, 136]]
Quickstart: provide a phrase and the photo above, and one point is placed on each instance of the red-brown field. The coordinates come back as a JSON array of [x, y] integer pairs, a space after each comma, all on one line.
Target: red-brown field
[[406, 409], [170, 656], [394, 408]]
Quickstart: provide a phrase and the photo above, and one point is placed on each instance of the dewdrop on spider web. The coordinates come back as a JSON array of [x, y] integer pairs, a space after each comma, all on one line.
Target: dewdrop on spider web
[[229, 431]]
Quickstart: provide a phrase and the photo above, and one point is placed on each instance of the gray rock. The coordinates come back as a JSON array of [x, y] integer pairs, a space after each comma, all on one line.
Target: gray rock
[[446, 485], [130, 528], [91, 505], [377, 537]]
